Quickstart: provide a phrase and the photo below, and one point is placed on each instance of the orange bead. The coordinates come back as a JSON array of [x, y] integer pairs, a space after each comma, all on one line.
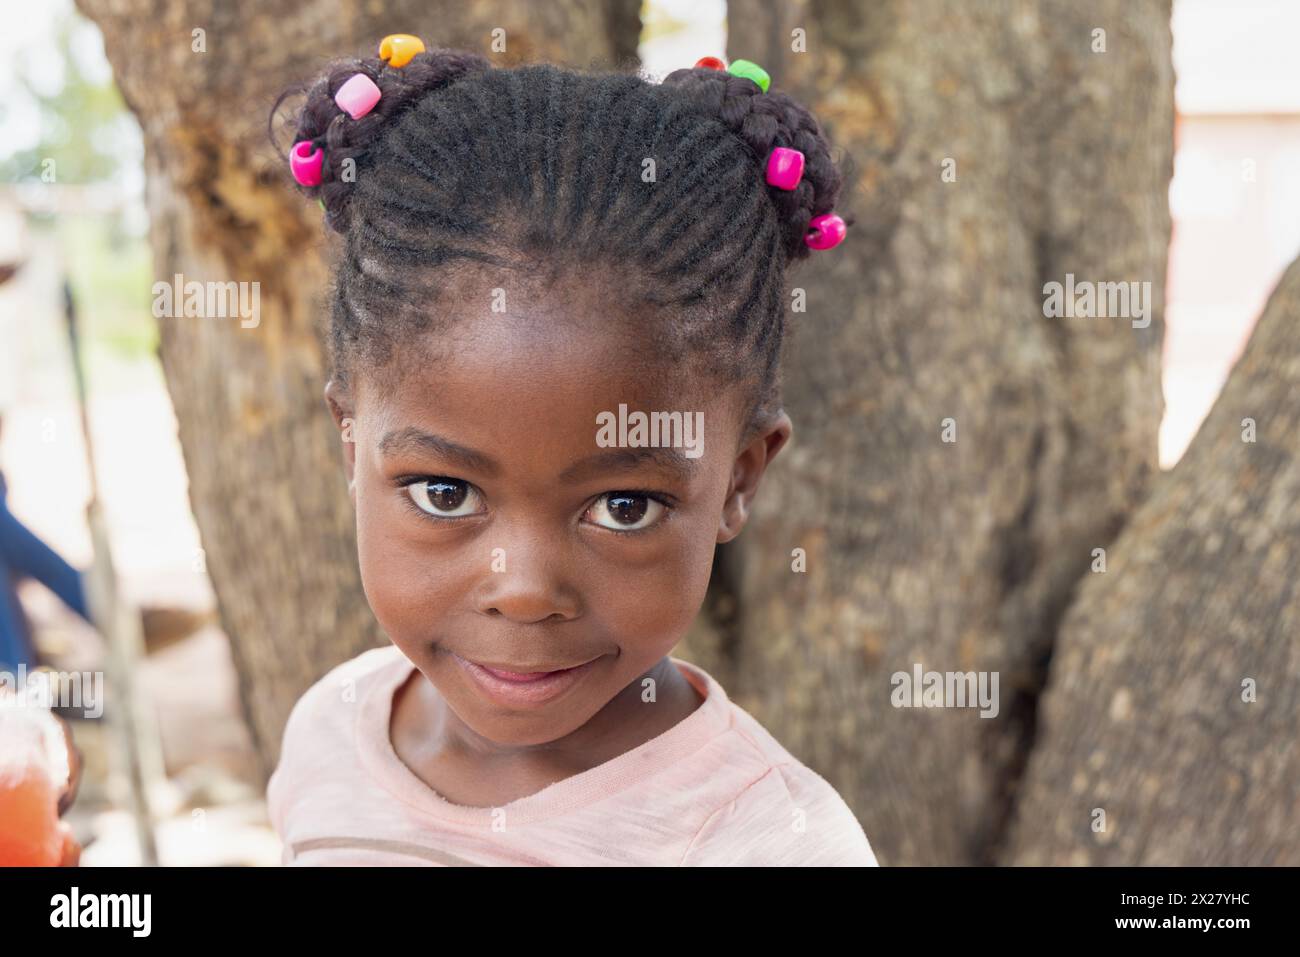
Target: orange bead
[[398, 48], [710, 63]]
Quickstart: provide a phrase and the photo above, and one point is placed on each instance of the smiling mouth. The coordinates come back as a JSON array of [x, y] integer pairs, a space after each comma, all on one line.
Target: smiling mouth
[[520, 687], [523, 674]]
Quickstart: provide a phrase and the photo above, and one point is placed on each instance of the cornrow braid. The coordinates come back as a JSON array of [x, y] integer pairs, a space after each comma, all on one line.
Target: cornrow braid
[[541, 168], [765, 121], [321, 122]]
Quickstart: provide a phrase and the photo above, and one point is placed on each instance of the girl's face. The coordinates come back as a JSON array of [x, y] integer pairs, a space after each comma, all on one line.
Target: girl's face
[[496, 533]]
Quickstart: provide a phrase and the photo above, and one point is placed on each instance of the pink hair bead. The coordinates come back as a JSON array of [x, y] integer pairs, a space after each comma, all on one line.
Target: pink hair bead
[[357, 96], [305, 162], [784, 168], [825, 231]]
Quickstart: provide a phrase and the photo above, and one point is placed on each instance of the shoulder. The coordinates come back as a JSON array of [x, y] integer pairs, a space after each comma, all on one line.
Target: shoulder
[[777, 811], [336, 692], [322, 723], [789, 817]]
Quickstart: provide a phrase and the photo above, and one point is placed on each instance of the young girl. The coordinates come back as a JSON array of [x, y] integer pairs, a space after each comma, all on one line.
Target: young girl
[[556, 334]]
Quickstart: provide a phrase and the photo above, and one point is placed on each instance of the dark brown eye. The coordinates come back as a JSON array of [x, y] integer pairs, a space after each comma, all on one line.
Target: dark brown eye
[[628, 509], [625, 511], [445, 497]]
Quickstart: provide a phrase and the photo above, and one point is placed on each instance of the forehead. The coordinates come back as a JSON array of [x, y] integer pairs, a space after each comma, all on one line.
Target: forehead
[[530, 371]]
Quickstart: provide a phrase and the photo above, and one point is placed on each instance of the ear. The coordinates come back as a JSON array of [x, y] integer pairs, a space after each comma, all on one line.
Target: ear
[[751, 462], [340, 406]]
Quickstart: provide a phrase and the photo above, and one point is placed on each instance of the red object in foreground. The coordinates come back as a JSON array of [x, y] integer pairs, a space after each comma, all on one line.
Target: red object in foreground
[[710, 63], [31, 779], [30, 835]]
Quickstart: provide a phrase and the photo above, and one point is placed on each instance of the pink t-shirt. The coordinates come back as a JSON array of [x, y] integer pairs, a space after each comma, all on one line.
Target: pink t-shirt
[[714, 789]]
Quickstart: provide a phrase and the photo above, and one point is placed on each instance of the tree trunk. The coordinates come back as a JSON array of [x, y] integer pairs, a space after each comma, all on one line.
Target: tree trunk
[[266, 482], [1168, 731], [955, 555]]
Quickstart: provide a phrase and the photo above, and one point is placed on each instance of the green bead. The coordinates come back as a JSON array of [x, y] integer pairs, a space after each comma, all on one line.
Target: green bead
[[322, 203], [751, 71]]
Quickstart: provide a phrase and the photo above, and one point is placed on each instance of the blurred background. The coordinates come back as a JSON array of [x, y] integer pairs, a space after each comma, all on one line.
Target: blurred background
[[73, 206]]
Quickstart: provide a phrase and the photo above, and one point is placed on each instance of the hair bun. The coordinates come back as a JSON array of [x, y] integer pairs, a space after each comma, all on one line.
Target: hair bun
[[765, 121], [343, 139]]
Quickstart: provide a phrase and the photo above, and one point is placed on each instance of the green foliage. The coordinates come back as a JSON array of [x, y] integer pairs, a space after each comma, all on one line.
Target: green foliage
[[66, 124], [110, 275], [84, 126]]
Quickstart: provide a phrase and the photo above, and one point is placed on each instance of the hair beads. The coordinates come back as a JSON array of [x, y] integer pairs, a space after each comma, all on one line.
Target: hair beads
[[461, 163]]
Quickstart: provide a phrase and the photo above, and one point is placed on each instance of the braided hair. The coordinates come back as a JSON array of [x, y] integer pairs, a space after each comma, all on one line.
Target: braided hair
[[536, 168]]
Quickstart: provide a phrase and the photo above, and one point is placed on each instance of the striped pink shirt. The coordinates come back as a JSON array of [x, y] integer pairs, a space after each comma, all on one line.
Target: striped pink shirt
[[714, 789]]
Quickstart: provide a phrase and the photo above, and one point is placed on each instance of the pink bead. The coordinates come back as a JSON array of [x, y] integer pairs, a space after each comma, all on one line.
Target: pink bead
[[357, 96], [305, 162], [784, 168], [825, 231]]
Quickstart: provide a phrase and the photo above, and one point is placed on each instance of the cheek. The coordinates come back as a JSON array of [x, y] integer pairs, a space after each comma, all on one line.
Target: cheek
[[405, 581], [655, 600]]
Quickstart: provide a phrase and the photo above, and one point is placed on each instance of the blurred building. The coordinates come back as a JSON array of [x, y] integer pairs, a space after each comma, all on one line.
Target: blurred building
[[1235, 197]]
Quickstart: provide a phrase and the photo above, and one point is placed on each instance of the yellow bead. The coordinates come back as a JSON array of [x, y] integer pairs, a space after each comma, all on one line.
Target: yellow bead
[[398, 48]]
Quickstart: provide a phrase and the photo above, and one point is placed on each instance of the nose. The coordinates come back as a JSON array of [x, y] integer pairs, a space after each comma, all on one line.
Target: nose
[[529, 583]]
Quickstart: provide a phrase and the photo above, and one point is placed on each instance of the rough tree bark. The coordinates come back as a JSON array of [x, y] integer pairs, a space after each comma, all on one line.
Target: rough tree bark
[[265, 478], [1174, 700], [958, 555]]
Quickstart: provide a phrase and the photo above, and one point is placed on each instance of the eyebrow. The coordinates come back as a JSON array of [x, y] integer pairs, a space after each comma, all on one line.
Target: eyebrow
[[411, 440], [665, 458]]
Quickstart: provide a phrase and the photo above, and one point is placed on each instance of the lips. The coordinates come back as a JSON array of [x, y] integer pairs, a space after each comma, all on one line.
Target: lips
[[517, 687], [522, 674]]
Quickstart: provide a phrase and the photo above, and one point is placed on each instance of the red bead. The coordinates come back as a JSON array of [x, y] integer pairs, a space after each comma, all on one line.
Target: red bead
[[710, 63]]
